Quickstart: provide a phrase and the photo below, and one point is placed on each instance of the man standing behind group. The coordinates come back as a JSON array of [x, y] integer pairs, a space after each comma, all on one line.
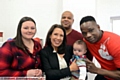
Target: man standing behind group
[[72, 35], [67, 20]]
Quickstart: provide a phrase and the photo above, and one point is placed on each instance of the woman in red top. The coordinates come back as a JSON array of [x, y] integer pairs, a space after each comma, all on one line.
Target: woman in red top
[[19, 57]]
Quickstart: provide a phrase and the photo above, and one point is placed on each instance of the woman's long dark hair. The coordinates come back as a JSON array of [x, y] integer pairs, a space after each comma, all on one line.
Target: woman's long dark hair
[[18, 39], [61, 48]]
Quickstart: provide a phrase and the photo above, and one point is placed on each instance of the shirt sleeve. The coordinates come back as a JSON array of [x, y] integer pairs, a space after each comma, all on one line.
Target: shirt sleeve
[[6, 58]]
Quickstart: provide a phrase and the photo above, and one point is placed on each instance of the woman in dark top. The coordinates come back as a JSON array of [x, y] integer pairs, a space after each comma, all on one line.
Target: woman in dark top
[[56, 55]]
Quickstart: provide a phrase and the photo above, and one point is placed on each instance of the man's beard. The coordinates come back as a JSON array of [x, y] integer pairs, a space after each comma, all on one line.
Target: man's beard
[[67, 28]]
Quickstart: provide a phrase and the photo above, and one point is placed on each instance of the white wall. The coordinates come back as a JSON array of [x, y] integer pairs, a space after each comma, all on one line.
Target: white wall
[[102, 10], [105, 10], [115, 24], [48, 12], [44, 12], [80, 8]]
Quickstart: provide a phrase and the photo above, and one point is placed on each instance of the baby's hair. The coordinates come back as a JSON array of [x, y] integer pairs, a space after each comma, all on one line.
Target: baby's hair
[[81, 42]]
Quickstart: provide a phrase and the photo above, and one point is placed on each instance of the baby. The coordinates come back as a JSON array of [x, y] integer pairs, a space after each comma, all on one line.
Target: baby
[[79, 49]]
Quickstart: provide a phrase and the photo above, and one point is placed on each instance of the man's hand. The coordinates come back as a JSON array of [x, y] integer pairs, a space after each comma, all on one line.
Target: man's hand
[[91, 66]]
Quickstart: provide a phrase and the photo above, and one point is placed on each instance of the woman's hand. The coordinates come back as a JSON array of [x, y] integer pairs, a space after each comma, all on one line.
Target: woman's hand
[[73, 66], [38, 73], [34, 73]]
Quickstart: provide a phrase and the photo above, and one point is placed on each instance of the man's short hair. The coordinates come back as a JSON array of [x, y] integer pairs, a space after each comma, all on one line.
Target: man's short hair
[[86, 19]]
